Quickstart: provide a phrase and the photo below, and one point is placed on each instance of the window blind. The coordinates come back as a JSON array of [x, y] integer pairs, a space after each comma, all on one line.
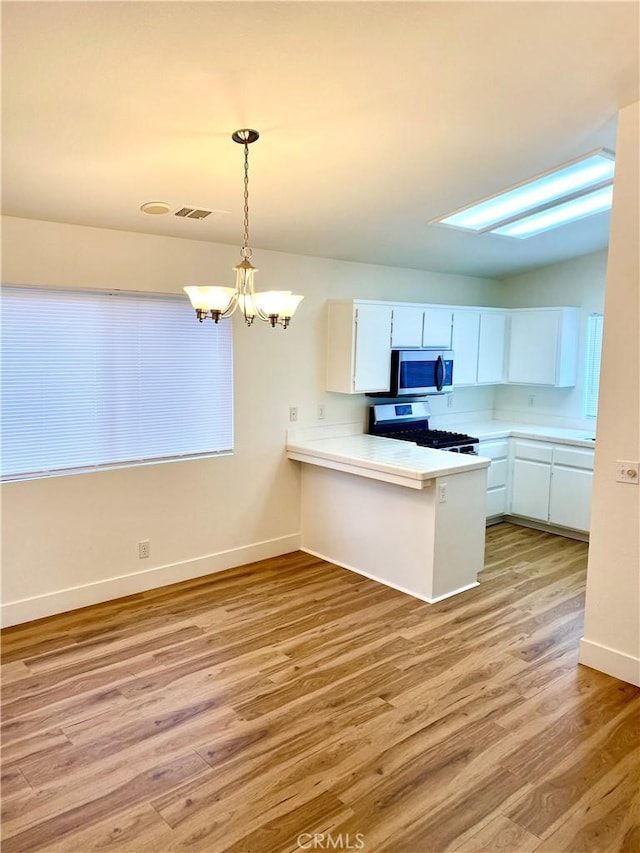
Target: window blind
[[594, 351], [98, 379]]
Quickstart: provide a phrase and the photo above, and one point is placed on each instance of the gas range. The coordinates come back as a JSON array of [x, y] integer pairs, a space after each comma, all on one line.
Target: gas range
[[410, 422]]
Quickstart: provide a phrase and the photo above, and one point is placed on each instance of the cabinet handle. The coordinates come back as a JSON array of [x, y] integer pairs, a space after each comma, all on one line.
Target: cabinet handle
[[439, 373]]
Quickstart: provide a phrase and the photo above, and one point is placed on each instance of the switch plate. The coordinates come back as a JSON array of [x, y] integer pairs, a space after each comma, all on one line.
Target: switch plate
[[626, 472]]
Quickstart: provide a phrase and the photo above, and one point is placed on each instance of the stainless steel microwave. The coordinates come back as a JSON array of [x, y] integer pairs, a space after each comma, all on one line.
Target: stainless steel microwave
[[421, 372]]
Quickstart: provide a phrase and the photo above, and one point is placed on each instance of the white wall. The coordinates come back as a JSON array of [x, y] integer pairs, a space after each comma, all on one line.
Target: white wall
[[580, 283], [70, 541], [612, 621]]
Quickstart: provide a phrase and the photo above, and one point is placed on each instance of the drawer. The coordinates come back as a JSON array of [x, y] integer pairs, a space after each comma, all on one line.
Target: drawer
[[536, 451], [573, 457], [494, 449], [497, 473]]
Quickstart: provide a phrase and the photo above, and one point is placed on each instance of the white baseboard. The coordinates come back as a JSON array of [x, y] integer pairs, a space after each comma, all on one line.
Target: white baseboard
[[60, 601], [388, 583], [612, 662]]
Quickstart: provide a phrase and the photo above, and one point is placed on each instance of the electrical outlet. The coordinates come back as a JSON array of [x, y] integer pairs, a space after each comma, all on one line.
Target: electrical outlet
[[144, 549], [626, 472], [321, 412], [293, 414], [531, 400], [449, 401], [442, 493]]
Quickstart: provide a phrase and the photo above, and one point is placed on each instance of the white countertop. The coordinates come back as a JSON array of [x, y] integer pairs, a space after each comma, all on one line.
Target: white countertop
[[399, 462], [505, 429]]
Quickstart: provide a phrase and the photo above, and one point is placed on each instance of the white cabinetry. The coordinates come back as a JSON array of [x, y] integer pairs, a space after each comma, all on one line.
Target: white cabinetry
[[543, 346], [571, 485], [408, 321], [437, 329], [466, 337], [531, 479], [492, 347], [359, 346], [498, 475], [552, 483], [479, 338], [421, 326]]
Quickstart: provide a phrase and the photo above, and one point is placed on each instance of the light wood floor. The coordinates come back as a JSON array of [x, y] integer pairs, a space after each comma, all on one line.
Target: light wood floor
[[249, 709]]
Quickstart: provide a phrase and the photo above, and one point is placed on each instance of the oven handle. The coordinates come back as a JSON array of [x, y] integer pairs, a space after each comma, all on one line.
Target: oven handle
[[440, 373]]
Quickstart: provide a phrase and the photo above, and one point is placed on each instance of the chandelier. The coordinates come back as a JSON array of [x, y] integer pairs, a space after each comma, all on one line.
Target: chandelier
[[272, 306]]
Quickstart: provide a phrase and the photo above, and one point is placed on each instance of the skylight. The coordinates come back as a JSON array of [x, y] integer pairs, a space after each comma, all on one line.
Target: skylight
[[566, 194], [570, 211]]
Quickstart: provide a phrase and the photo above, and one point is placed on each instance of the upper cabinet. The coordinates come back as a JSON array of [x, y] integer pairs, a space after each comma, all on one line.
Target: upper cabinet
[[420, 326], [438, 326], [479, 345], [543, 346], [359, 347], [529, 346], [492, 347], [466, 337], [408, 322]]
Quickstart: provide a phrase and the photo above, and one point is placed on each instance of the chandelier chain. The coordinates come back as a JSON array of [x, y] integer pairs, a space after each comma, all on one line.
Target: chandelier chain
[[246, 202]]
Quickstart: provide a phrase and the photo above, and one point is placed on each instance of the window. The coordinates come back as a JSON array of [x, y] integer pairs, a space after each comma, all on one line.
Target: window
[[592, 378], [97, 379]]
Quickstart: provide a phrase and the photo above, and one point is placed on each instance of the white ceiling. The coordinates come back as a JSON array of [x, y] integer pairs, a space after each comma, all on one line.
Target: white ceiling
[[374, 118]]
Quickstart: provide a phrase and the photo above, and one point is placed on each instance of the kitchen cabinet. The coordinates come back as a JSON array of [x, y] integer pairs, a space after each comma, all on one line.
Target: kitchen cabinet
[[479, 338], [408, 321], [571, 486], [530, 346], [421, 326], [543, 347], [498, 475], [552, 483], [530, 489], [492, 347], [359, 346], [437, 328], [466, 338]]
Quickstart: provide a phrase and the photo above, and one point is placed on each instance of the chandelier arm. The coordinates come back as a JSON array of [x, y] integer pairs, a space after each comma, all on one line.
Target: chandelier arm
[[231, 307]]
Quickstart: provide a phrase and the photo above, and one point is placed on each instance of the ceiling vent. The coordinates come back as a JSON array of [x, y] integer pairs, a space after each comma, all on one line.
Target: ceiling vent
[[193, 213]]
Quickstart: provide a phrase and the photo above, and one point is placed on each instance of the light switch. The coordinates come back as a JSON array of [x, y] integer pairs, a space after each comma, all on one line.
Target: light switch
[[626, 472]]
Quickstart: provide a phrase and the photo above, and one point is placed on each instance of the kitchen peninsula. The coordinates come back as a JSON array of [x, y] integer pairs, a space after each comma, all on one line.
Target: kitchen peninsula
[[410, 517]]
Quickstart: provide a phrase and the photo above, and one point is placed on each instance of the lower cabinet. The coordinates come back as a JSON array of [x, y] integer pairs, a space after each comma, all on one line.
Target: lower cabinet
[[530, 489], [571, 485], [552, 483], [497, 476]]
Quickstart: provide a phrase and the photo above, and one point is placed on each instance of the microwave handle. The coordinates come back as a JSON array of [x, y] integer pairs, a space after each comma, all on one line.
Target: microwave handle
[[440, 373]]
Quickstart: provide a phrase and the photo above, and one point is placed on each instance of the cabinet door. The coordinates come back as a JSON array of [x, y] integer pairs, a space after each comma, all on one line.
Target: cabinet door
[[466, 333], [407, 326], [496, 501], [497, 476], [530, 489], [437, 327], [372, 356], [570, 500], [492, 347], [533, 347]]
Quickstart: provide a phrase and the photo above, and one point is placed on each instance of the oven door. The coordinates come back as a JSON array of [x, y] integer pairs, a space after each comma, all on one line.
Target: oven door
[[422, 371]]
